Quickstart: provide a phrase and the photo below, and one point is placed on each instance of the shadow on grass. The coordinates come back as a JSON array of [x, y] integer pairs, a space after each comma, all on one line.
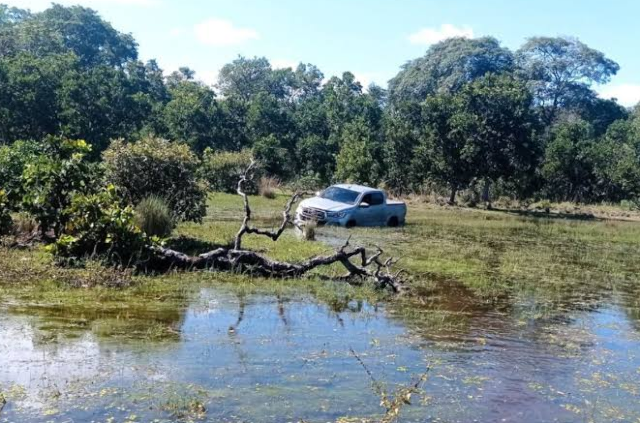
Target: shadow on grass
[[193, 246], [548, 214]]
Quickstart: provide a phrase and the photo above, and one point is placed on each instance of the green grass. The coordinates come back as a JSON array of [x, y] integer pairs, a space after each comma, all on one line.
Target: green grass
[[485, 256]]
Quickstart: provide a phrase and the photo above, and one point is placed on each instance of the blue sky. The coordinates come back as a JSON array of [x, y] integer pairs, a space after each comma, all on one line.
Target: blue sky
[[369, 38]]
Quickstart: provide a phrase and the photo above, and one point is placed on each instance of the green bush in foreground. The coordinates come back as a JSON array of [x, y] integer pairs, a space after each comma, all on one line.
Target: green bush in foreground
[[51, 179], [100, 226], [153, 216], [153, 166], [13, 160], [222, 170]]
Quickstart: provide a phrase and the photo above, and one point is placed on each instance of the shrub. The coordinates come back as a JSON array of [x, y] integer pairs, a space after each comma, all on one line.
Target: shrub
[[24, 224], [5, 217], [153, 216], [13, 160], [309, 182], [154, 166], [50, 180], [222, 170], [101, 226], [267, 187], [309, 230]]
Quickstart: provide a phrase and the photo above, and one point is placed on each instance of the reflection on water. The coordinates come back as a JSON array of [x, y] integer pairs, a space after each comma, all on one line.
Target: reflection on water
[[273, 359]]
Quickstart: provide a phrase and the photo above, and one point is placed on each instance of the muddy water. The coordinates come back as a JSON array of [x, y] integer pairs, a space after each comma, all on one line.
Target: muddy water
[[267, 359]]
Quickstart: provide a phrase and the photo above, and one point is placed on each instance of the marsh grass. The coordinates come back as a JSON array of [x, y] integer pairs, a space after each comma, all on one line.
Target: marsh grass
[[268, 186], [460, 260]]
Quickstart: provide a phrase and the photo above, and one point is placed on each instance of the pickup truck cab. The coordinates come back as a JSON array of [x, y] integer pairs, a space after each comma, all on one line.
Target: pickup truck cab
[[352, 205]]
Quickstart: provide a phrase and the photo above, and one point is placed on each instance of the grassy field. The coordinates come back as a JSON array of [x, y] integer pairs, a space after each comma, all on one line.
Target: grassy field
[[489, 255]]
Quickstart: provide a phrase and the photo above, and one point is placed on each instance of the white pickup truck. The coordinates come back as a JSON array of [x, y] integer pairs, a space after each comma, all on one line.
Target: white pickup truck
[[352, 205]]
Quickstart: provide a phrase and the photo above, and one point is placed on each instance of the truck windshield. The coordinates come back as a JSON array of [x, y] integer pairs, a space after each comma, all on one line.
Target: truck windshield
[[340, 195]]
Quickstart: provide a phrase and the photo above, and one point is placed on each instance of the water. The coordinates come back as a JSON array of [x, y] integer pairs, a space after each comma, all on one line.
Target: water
[[258, 358]]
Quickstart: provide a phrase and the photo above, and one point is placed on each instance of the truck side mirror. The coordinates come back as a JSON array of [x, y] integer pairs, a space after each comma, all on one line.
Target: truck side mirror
[[318, 193], [364, 205]]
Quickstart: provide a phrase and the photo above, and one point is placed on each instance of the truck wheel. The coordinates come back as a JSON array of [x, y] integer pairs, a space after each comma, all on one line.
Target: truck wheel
[[393, 222], [350, 224]]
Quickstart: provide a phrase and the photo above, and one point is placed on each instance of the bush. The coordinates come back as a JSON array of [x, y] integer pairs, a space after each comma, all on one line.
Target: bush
[[309, 182], [309, 230], [153, 216], [13, 160], [101, 226], [23, 225], [5, 217], [223, 169], [50, 180], [267, 187], [154, 165]]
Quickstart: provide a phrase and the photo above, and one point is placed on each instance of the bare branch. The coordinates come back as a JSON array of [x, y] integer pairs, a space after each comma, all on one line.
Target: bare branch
[[238, 260], [245, 228]]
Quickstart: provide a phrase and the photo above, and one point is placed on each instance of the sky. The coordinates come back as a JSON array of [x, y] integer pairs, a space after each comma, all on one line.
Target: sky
[[370, 38]]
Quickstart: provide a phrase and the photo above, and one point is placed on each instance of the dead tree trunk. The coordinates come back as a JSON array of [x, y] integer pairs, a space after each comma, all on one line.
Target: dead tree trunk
[[246, 261]]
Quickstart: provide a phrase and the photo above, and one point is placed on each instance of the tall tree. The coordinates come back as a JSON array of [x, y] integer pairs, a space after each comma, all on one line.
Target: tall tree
[[561, 71], [447, 66]]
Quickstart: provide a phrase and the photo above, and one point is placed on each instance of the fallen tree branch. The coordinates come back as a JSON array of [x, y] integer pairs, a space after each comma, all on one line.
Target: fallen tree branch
[[240, 260]]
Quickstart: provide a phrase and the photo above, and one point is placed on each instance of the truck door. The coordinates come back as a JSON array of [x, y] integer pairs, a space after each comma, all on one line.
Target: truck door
[[375, 213]]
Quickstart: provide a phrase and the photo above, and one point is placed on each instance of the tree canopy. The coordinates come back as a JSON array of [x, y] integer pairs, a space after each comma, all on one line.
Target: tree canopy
[[470, 110]]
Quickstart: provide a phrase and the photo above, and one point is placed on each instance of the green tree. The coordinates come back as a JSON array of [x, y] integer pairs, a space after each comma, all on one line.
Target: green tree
[[561, 71], [273, 157], [485, 131], [567, 167], [503, 132], [448, 66], [193, 115], [359, 159], [317, 156], [616, 162]]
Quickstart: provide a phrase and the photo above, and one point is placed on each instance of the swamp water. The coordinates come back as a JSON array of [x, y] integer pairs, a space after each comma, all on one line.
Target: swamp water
[[261, 358]]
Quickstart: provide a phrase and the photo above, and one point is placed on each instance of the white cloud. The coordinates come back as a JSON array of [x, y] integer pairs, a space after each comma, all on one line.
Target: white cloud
[[428, 36], [627, 94], [220, 32], [283, 64]]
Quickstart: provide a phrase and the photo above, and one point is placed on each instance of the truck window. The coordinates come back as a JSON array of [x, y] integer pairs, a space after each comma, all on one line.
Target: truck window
[[373, 198], [377, 199]]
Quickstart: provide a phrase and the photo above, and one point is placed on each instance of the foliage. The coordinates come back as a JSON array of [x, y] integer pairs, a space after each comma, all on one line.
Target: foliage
[[560, 71], [153, 165], [5, 216], [267, 187], [192, 115], [153, 216], [67, 72], [316, 155], [358, 158], [222, 170], [273, 157], [567, 169], [13, 160], [99, 225], [485, 131], [447, 67], [50, 180]]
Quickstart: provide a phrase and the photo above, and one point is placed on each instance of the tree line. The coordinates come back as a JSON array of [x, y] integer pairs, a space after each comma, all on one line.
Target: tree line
[[470, 113]]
